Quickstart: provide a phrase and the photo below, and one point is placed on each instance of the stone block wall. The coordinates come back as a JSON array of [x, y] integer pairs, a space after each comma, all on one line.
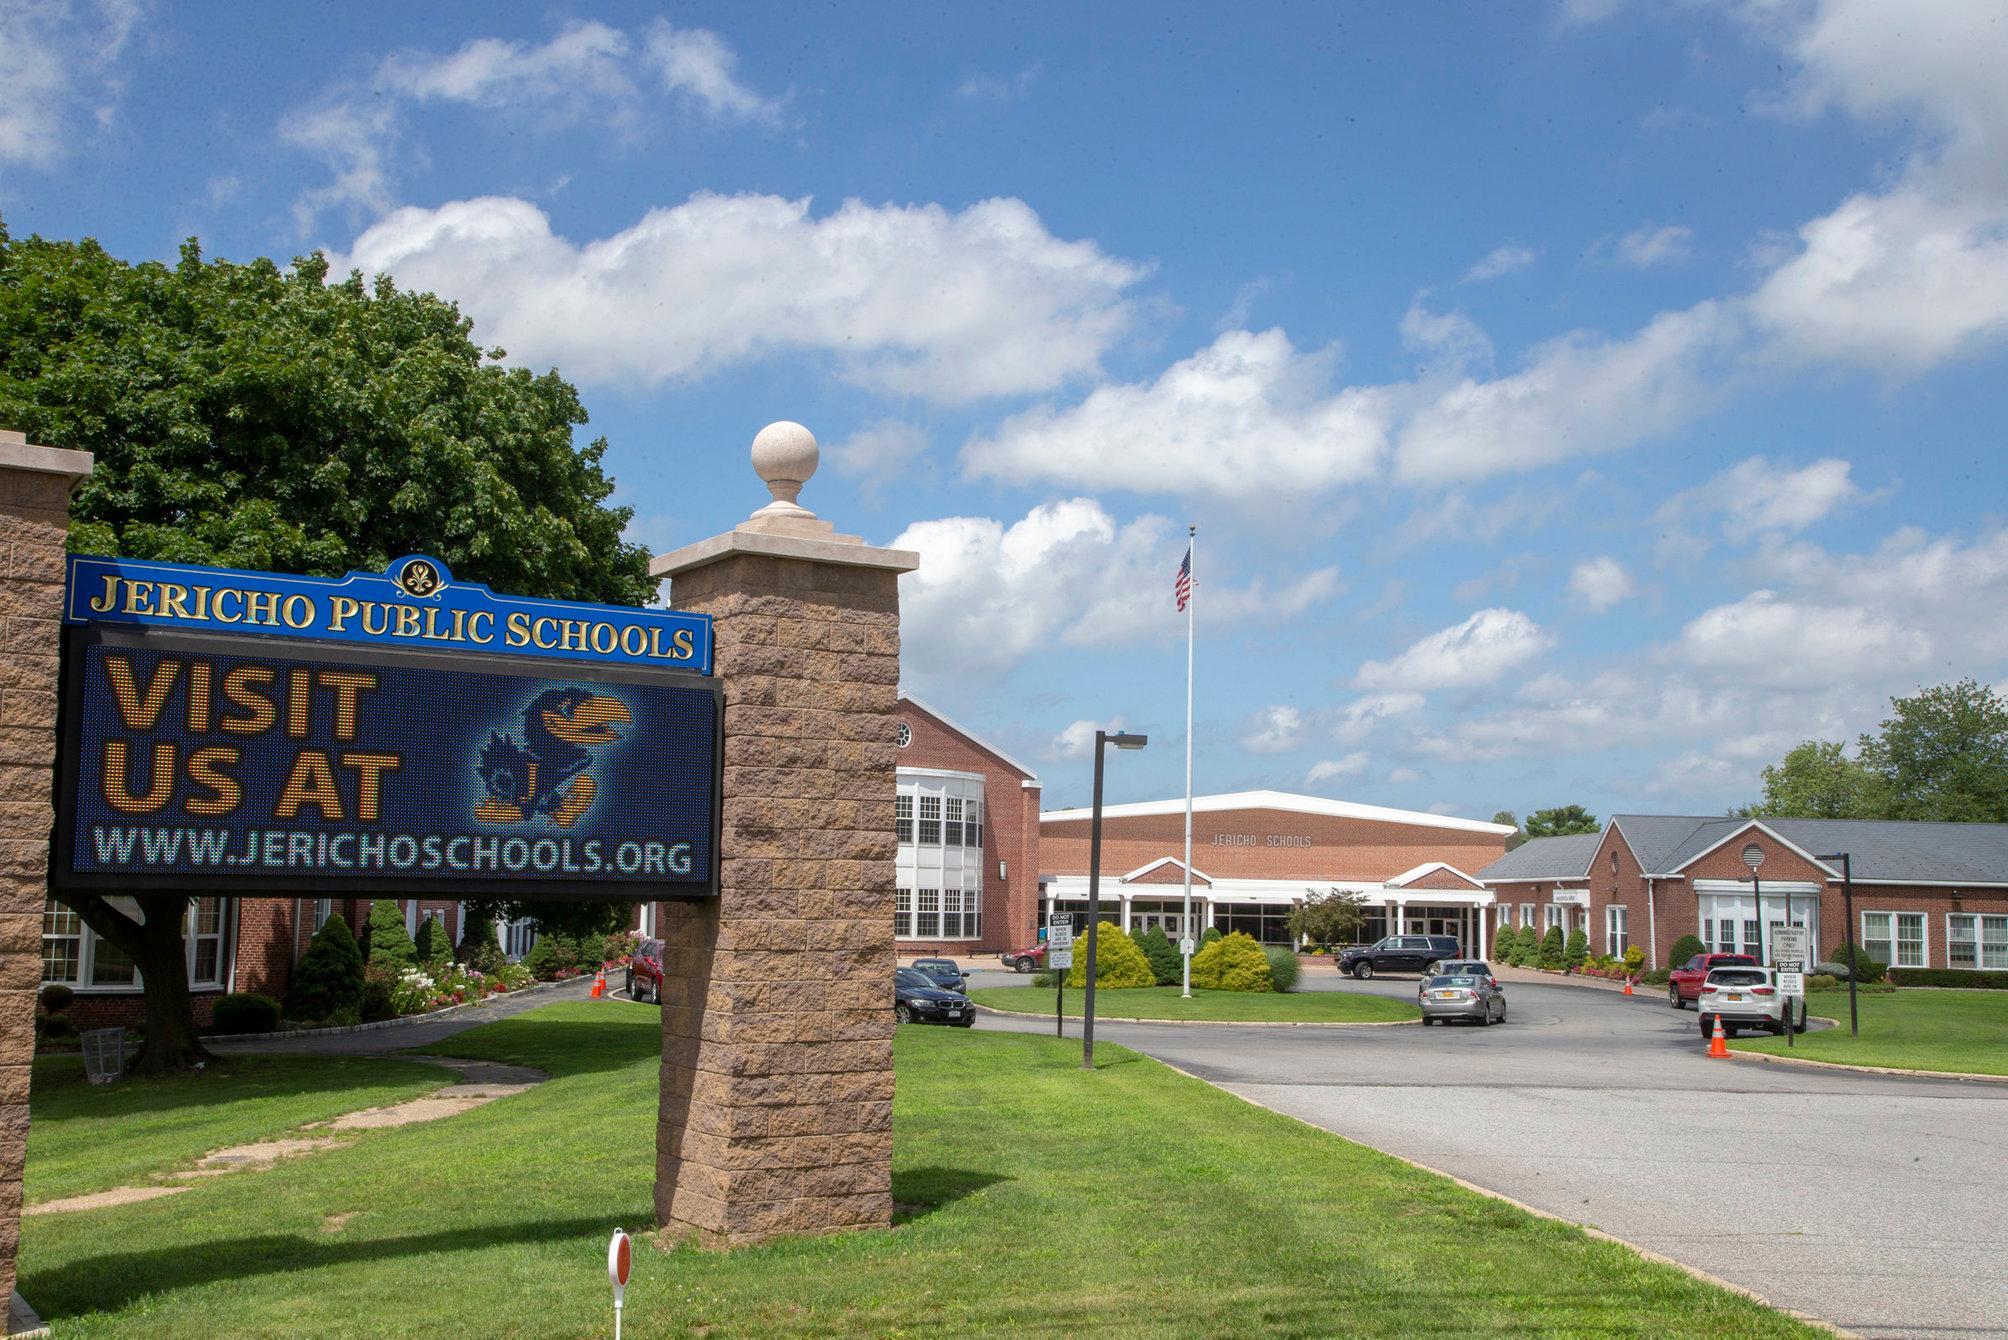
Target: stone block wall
[[777, 1082]]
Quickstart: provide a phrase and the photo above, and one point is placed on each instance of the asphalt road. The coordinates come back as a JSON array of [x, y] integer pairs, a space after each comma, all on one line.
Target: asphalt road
[[1879, 1204]]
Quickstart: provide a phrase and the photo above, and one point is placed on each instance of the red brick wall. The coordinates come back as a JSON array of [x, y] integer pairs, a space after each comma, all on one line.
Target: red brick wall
[[1361, 849], [1010, 834]]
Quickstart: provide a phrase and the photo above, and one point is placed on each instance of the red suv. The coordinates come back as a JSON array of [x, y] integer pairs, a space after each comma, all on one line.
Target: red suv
[[1683, 984], [644, 971], [1024, 960]]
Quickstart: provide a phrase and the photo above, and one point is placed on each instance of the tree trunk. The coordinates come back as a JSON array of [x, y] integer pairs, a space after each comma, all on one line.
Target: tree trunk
[[157, 949]]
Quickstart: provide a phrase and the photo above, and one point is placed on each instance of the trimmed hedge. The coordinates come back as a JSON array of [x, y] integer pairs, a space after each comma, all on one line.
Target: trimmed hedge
[[433, 945], [1865, 968], [1160, 953], [56, 997], [1232, 963], [328, 984], [246, 1012], [1551, 948], [1118, 962], [1578, 951], [1283, 967], [1211, 936], [550, 956], [1685, 948], [1967, 977], [390, 942]]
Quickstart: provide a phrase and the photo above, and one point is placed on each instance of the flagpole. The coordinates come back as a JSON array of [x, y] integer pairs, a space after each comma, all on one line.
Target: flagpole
[[1185, 913]]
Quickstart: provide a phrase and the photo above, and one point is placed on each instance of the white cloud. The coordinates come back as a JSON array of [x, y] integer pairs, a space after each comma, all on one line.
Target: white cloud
[[1757, 499], [1352, 765], [1273, 730], [59, 69], [1486, 646], [998, 88], [1599, 583], [1248, 416], [1647, 246], [1078, 740], [1403, 776], [880, 453], [1364, 715], [1503, 260], [697, 62], [1764, 639], [906, 299], [1451, 338], [583, 65], [1258, 601]]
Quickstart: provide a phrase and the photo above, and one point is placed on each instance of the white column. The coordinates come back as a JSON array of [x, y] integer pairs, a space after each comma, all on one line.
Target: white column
[[1400, 917], [1478, 914], [1126, 912]]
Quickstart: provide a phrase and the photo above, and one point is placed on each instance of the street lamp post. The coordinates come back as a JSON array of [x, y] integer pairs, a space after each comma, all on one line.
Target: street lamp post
[[1121, 740], [1847, 861], [1753, 856]]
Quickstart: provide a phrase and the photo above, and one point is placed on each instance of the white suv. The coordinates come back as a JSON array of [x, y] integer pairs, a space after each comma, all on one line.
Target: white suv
[[1746, 997]]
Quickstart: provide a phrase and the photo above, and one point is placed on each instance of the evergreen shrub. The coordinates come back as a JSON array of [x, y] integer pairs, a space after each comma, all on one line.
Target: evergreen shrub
[[1551, 948], [1211, 934], [1578, 951], [433, 946], [379, 998], [1685, 948], [56, 997], [245, 1012], [1118, 962], [1865, 968], [1283, 967], [390, 942], [1967, 977], [1232, 963], [1160, 953], [478, 947], [328, 984]]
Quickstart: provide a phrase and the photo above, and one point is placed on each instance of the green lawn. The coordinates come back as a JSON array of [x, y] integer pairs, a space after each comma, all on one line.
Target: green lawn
[[1038, 1200], [1912, 1029], [1164, 1002], [84, 1137]]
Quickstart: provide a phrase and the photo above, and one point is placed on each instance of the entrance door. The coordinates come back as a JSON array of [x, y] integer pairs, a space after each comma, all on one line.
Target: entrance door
[[1167, 921]]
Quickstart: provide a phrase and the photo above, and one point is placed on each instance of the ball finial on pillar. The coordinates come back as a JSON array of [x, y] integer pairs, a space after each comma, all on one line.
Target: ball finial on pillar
[[785, 456]]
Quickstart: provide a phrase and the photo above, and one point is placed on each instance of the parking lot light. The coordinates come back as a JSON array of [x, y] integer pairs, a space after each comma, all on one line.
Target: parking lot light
[[1847, 861], [1753, 856], [1121, 740]]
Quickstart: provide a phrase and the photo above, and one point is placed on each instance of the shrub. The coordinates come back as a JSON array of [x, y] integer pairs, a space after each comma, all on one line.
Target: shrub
[[1656, 976], [1865, 968], [1551, 948], [433, 945], [478, 947], [379, 998], [1984, 981], [1160, 953], [329, 981], [1047, 977], [246, 1012], [550, 957], [1283, 967], [1232, 963], [1578, 951], [1839, 970], [53, 1026], [1685, 948], [56, 997], [1118, 962], [390, 943], [1634, 960], [1821, 981], [1211, 935]]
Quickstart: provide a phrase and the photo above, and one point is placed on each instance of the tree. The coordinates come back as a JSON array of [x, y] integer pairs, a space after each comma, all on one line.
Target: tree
[[1944, 755], [1817, 780], [390, 944], [1515, 838], [328, 984], [1161, 954], [1330, 918], [255, 417], [1561, 822]]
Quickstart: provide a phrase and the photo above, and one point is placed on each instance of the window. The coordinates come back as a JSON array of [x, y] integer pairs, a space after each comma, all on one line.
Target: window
[[323, 909], [1505, 916], [1526, 915], [927, 920], [902, 912], [972, 904], [902, 819], [952, 830], [972, 827], [62, 944], [1894, 938], [1973, 941], [930, 821], [951, 913], [1616, 928], [1553, 915], [205, 942]]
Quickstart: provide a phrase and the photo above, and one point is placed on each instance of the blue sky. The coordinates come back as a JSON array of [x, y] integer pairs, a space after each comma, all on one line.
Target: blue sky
[[1578, 403]]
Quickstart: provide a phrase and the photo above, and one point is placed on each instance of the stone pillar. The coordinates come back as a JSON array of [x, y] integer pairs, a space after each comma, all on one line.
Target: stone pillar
[[776, 1106], [35, 485]]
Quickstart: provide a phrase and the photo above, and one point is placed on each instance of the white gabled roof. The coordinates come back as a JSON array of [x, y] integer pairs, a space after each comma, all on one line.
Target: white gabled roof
[[1142, 870], [1280, 800], [1030, 777], [1430, 868]]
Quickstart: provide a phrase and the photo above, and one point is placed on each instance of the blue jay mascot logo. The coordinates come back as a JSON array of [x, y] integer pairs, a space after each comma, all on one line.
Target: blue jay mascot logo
[[546, 774]]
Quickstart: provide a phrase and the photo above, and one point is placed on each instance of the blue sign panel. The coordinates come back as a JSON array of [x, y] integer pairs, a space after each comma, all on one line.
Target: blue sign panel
[[247, 765], [416, 604]]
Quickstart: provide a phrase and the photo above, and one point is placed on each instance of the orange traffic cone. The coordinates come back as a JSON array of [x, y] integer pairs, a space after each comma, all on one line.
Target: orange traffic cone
[[600, 984], [1717, 1045], [1628, 989]]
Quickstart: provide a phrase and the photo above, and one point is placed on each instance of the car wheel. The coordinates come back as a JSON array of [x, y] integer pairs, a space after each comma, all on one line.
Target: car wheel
[[1363, 971], [968, 1021], [630, 983], [1706, 1032], [1673, 996], [902, 1015], [655, 992], [1023, 965]]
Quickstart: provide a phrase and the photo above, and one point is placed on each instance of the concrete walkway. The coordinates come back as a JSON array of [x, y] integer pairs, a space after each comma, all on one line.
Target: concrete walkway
[[418, 1031]]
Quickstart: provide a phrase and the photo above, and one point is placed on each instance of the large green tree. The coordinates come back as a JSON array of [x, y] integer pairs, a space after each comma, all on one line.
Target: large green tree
[[1817, 780], [1516, 837], [1561, 821], [255, 416], [1943, 754]]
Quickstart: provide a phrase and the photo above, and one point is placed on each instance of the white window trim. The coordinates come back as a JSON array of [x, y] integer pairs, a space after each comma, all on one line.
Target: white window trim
[[226, 957], [1617, 927], [1979, 920], [1924, 932]]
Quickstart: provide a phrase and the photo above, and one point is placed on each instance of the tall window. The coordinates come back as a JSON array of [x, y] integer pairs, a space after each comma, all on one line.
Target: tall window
[[927, 922], [1894, 938], [951, 914], [972, 904], [952, 829], [205, 942], [972, 826], [1973, 941], [1553, 914], [1617, 936], [930, 821], [62, 944], [902, 912], [902, 819], [1526, 915], [323, 909]]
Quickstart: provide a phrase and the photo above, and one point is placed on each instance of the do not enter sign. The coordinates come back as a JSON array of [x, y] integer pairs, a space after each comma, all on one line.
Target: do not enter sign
[[620, 1258]]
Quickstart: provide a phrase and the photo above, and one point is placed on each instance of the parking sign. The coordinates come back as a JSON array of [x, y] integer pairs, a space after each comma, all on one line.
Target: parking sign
[[1791, 948], [1060, 944], [1791, 984]]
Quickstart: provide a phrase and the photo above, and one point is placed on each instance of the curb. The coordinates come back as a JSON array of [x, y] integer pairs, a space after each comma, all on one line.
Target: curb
[[1845, 1068], [1208, 1023], [1646, 1253], [378, 1024]]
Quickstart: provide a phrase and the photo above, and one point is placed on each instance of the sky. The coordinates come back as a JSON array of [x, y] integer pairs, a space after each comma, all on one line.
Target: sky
[[1578, 402]]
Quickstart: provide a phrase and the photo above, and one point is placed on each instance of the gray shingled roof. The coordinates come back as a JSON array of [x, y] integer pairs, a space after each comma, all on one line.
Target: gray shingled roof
[[1896, 851], [1546, 858]]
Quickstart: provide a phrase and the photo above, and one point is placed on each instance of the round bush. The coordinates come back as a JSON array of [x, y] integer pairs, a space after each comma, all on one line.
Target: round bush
[[56, 997], [1118, 962], [478, 947], [53, 1026], [246, 1012], [328, 984], [1865, 968], [1822, 981], [1283, 967], [1232, 963], [379, 998], [1210, 936], [1685, 948]]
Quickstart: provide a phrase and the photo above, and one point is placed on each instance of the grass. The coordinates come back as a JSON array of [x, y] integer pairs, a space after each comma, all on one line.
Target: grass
[[1164, 1002], [1038, 1200], [84, 1137], [1914, 1028]]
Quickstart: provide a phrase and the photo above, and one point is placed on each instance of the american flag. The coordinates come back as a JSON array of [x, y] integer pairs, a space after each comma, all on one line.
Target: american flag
[[1183, 587]]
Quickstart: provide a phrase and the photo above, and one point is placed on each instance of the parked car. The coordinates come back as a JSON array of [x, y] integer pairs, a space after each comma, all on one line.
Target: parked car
[[1398, 953], [917, 1000], [943, 972], [1471, 996], [1453, 966], [1684, 983], [1747, 998], [644, 971], [1024, 960]]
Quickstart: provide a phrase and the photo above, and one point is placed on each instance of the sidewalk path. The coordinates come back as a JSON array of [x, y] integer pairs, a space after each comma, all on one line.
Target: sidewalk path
[[417, 1031]]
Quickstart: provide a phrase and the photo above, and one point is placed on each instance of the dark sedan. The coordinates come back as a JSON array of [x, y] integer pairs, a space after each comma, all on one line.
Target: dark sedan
[[943, 972], [917, 1000]]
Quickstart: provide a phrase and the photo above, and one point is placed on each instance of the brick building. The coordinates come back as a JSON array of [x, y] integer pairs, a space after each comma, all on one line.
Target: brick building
[[967, 820], [1927, 895], [1255, 854]]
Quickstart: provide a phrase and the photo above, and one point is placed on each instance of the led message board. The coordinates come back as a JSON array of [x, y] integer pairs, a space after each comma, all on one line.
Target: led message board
[[266, 763]]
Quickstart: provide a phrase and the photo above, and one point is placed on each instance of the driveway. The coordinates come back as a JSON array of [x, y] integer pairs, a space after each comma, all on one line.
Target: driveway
[[420, 1030], [1876, 1203]]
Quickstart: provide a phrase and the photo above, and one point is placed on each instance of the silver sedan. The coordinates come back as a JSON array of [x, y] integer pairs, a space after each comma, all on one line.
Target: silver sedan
[[1463, 996]]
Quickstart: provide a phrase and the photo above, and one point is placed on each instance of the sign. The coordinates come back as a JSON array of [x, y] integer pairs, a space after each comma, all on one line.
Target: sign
[[416, 603], [1185, 947], [239, 765], [1059, 944], [1254, 839], [1791, 947], [620, 1258], [1791, 984]]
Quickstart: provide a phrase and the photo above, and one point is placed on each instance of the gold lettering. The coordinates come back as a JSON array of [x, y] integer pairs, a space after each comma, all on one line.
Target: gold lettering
[[205, 769], [340, 610], [299, 605], [634, 640], [139, 598], [347, 686], [140, 713], [312, 782], [573, 635], [518, 626], [202, 594], [537, 633], [106, 600], [171, 598], [370, 769], [261, 606], [237, 687], [216, 611], [686, 646], [119, 797], [378, 626]]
